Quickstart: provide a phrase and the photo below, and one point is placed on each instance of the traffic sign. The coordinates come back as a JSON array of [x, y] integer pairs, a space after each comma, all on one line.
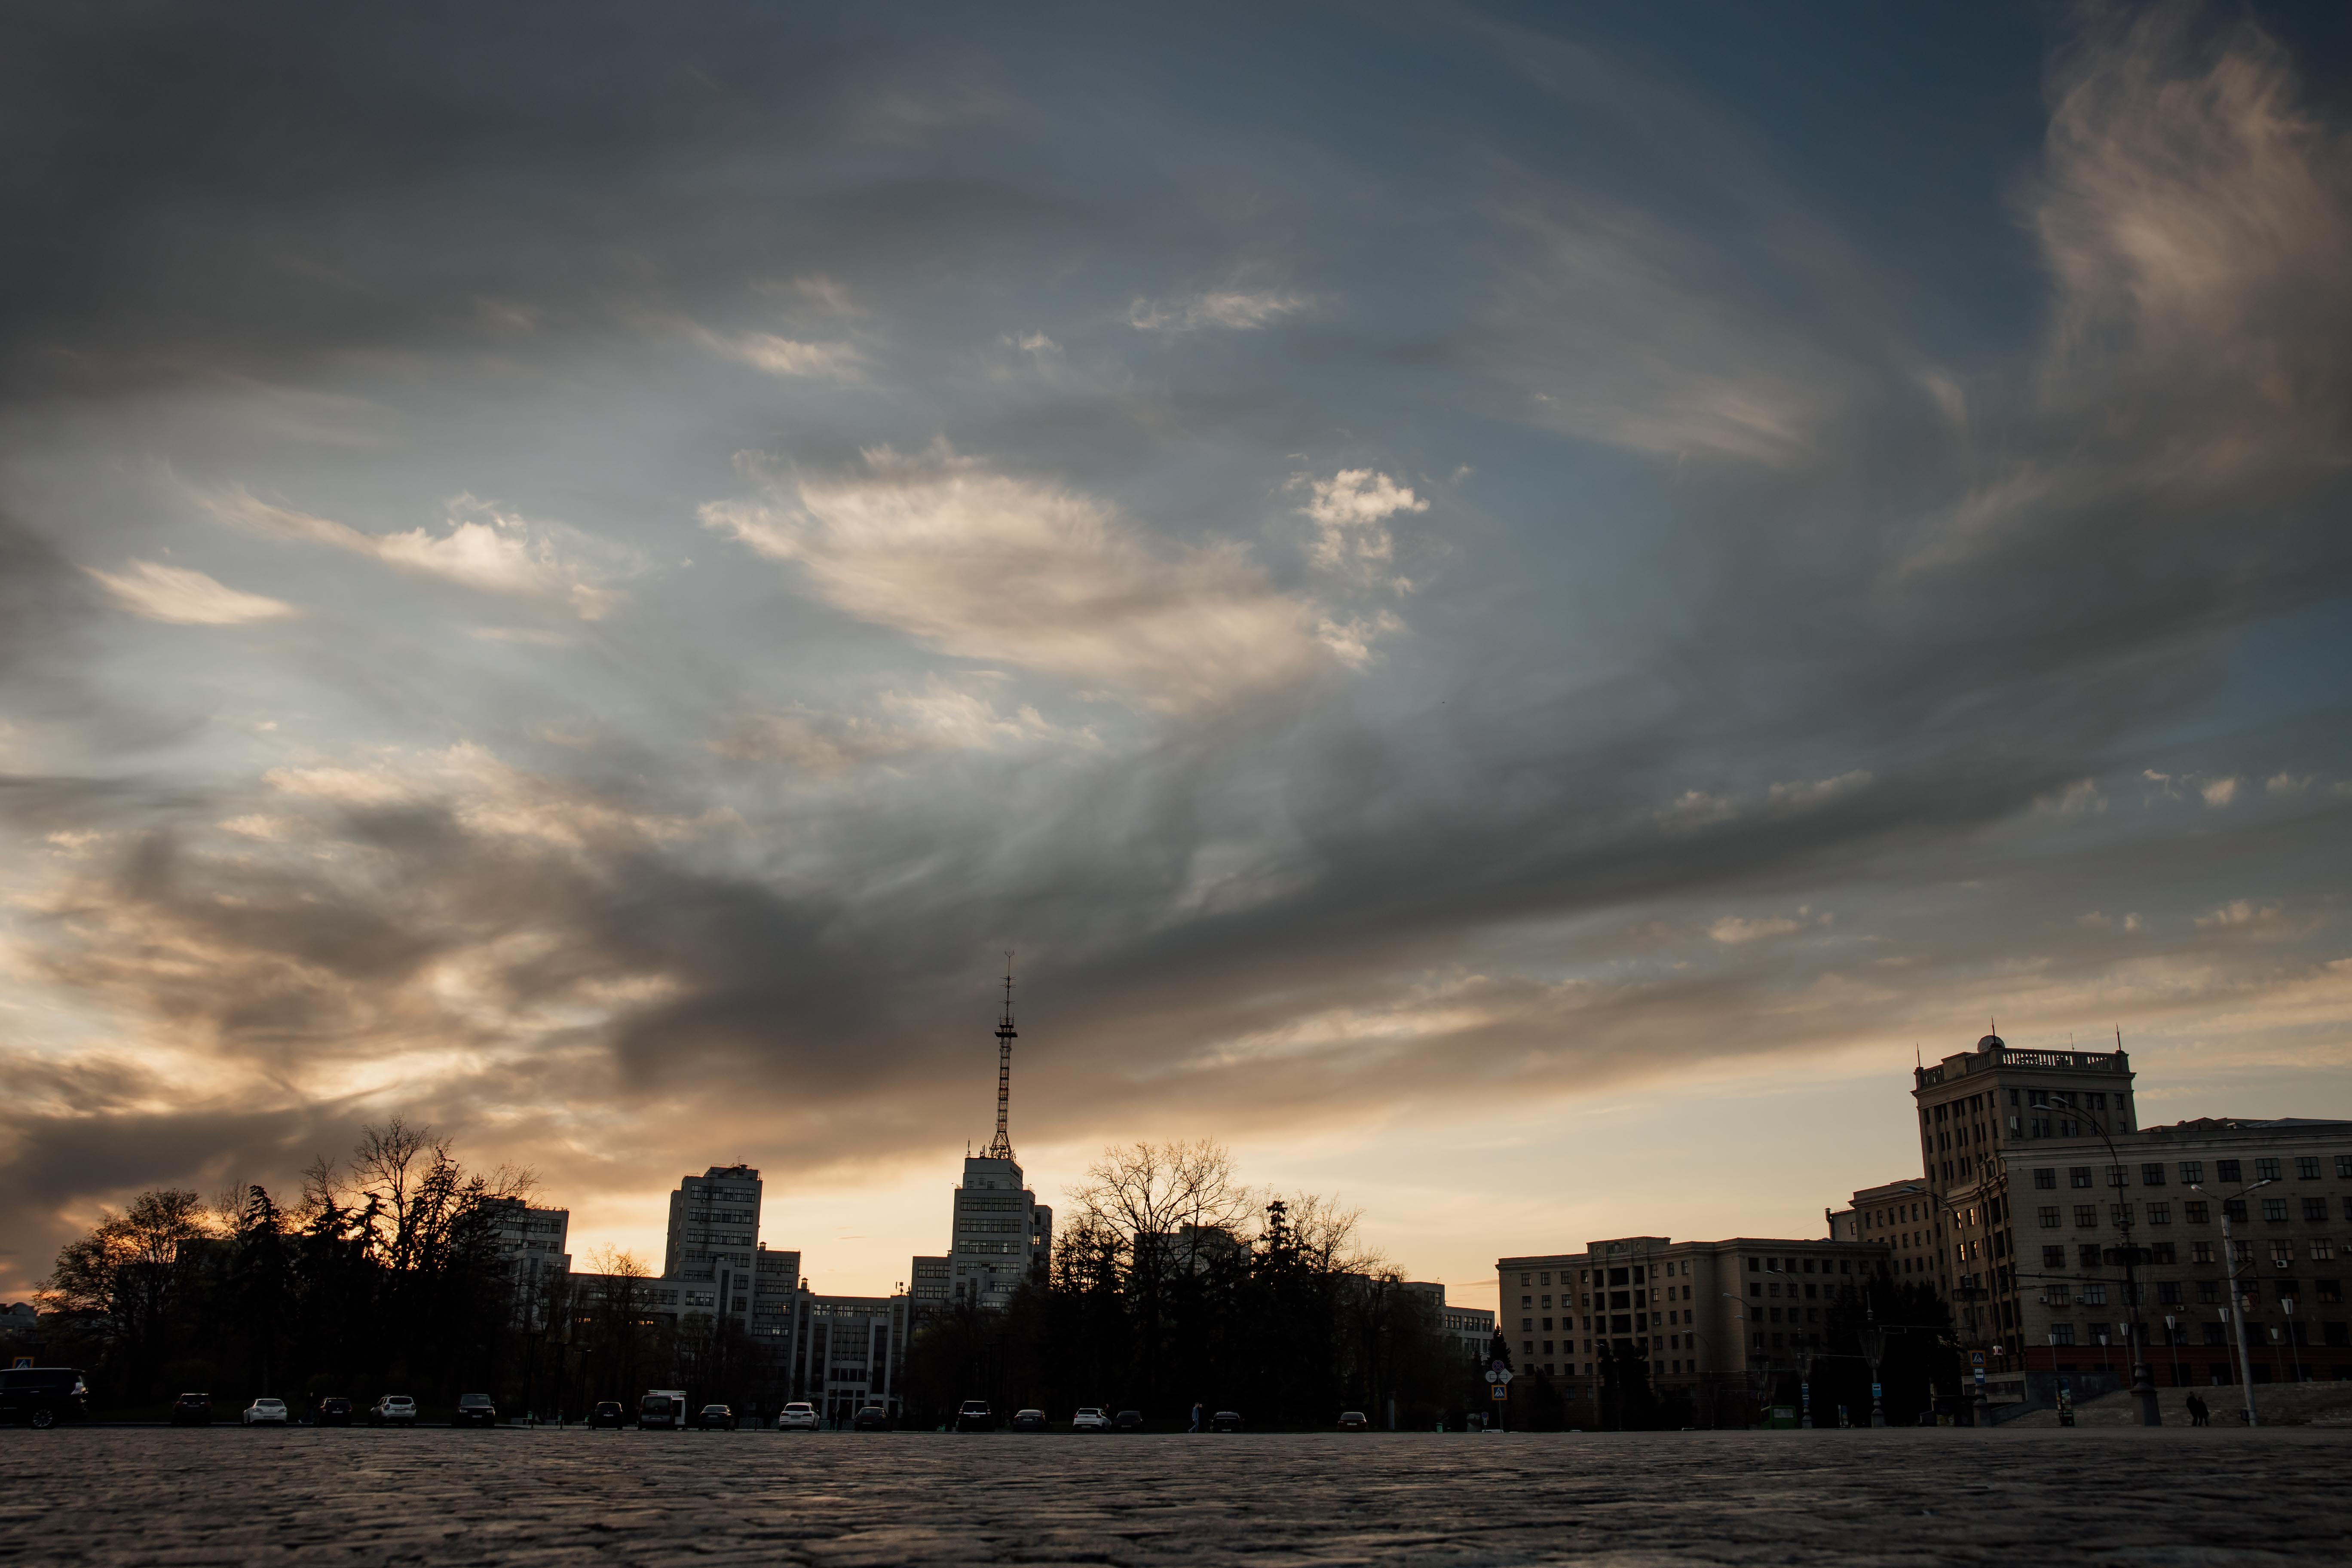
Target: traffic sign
[[1874, 1391], [1980, 1374], [20, 1364], [1976, 1358], [1499, 1392]]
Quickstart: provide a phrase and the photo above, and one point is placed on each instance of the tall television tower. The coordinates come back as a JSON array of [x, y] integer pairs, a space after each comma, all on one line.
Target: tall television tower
[[1005, 1035]]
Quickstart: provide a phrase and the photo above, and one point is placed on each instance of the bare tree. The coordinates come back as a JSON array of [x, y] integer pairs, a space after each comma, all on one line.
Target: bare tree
[[1164, 1204]]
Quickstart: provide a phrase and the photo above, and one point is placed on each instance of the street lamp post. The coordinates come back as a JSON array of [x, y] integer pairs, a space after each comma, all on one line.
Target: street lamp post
[[1874, 1345], [2237, 1302], [2172, 1338], [2143, 1378]]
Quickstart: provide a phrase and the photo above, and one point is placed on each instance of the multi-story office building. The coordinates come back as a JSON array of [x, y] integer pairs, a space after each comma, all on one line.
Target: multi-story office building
[[1000, 1236], [2049, 1204], [1469, 1330], [1714, 1320], [714, 1235], [1904, 1218], [850, 1351], [532, 1246]]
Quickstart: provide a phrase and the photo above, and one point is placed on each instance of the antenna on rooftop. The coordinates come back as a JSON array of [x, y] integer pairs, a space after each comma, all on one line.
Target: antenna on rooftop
[[1005, 1035]]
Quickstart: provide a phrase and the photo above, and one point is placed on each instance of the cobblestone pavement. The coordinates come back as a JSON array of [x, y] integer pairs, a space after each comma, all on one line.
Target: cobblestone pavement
[[124, 1496]]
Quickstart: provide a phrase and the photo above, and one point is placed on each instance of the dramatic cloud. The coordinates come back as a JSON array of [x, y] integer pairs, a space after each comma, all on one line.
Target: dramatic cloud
[[1444, 604], [992, 567]]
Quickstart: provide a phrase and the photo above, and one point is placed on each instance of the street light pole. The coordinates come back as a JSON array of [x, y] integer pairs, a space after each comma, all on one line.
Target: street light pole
[[2237, 1302], [2143, 1377]]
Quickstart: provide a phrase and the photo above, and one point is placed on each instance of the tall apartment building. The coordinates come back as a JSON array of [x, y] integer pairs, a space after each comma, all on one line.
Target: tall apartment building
[[2044, 1204], [714, 1235], [1718, 1321]]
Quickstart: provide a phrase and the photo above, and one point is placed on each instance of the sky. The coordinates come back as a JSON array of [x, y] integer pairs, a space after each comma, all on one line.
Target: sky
[[1510, 609]]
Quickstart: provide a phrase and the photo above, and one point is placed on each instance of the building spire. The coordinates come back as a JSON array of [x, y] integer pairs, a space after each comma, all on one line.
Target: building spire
[[1005, 1035]]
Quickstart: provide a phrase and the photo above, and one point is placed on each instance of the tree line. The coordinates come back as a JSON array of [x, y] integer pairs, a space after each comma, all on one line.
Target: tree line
[[1171, 1284], [383, 1276]]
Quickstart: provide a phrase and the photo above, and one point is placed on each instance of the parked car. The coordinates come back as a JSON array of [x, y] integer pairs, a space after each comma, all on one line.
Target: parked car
[[873, 1418], [392, 1410], [193, 1410], [475, 1410], [716, 1418], [975, 1416], [333, 1411], [1128, 1421], [1090, 1419], [42, 1397], [662, 1410], [1225, 1421], [608, 1412], [266, 1412], [797, 1416], [1028, 1421], [1353, 1421]]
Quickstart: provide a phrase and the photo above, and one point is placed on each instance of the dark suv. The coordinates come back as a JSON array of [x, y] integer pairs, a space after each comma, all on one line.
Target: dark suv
[[608, 1412], [193, 1410], [43, 1395], [475, 1410], [333, 1411], [975, 1416]]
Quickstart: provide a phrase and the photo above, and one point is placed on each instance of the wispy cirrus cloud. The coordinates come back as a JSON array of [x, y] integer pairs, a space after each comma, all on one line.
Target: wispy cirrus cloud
[[182, 595], [480, 546], [1231, 310]]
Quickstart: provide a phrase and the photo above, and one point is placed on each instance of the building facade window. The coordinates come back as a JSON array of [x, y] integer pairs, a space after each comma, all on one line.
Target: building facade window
[[2266, 1170], [2228, 1171], [2159, 1213], [2053, 1258], [2078, 1175], [2274, 1211], [2086, 1217], [2191, 1171], [2198, 1211], [2306, 1168]]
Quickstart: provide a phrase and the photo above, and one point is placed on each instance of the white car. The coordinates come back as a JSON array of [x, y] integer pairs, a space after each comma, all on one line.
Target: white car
[[392, 1410], [1090, 1419], [266, 1412], [797, 1416]]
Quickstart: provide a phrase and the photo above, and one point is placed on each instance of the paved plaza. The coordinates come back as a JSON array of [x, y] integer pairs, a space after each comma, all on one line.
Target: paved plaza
[[2218, 1496]]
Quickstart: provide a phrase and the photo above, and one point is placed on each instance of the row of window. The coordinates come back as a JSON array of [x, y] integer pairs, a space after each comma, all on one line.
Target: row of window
[[2196, 1211], [2192, 1172]]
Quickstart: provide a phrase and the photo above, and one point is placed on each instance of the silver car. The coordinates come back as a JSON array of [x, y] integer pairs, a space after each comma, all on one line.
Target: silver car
[[392, 1410], [266, 1412]]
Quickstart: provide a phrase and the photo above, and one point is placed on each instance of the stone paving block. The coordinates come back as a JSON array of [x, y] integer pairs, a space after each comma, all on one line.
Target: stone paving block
[[130, 1497]]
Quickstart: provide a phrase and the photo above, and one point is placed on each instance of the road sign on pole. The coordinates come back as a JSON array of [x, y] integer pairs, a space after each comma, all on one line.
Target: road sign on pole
[[1499, 1392]]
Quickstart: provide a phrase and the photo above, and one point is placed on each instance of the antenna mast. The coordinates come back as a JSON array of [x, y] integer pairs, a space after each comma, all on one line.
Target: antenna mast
[[1005, 1035]]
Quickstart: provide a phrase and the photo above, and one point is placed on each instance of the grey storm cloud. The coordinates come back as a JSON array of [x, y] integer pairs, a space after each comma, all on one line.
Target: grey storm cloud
[[936, 425]]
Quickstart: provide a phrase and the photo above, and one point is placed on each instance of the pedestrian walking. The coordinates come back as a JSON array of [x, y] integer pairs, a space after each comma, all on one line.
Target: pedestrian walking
[[2200, 1413], [1196, 1415]]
